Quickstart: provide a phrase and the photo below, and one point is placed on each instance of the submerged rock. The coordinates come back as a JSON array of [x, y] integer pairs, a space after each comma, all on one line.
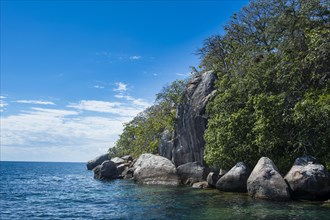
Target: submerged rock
[[200, 185], [193, 170], [97, 161], [106, 171], [192, 121], [152, 169], [235, 179], [265, 182], [308, 179]]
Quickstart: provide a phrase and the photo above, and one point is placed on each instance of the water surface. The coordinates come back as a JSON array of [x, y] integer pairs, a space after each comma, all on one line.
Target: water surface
[[37, 190]]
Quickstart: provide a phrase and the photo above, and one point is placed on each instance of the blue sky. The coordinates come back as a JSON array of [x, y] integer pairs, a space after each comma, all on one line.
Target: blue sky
[[72, 72]]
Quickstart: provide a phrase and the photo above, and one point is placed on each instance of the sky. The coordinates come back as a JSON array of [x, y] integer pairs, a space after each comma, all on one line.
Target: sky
[[73, 72]]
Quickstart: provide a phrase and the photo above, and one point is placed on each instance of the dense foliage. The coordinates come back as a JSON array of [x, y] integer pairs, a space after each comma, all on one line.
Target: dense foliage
[[142, 134], [273, 96]]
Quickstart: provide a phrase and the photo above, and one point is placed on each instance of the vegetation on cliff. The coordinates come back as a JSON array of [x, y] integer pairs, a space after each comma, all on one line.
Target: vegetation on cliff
[[142, 134], [273, 96]]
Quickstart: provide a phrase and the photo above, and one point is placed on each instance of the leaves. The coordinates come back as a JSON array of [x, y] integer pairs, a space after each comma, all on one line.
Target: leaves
[[273, 84], [142, 134]]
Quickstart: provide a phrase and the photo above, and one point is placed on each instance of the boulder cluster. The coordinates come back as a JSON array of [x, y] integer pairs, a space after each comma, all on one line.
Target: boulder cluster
[[306, 180]]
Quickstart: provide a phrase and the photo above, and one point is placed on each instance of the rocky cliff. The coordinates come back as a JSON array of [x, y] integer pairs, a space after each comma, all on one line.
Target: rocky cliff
[[188, 141]]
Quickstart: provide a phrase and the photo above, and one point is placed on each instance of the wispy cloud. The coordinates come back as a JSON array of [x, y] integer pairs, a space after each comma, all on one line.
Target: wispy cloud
[[78, 131], [98, 87], [117, 108], [121, 87], [183, 74], [135, 57], [59, 131], [36, 102], [3, 103], [103, 53], [134, 101]]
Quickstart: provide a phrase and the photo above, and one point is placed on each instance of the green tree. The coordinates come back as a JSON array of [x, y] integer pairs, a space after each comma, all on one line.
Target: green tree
[[273, 84], [142, 134]]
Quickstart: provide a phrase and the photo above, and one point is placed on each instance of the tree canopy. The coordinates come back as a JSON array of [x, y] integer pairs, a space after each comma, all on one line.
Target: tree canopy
[[273, 94], [272, 98]]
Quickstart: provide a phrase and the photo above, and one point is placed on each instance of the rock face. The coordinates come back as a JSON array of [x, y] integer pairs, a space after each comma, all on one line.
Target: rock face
[[193, 171], [106, 171], [165, 146], [152, 169], [97, 161], [235, 179], [192, 122], [308, 179], [265, 182]]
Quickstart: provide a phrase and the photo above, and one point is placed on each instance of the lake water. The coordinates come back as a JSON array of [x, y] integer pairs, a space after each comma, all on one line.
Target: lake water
[[36, 190]]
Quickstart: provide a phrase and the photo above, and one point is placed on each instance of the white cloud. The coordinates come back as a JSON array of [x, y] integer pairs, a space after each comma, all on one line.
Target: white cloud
[[79, 131], [57, 135], [134, 101], [116, 108], [121, 87], [3, 103], [135, 57], [37, 102]]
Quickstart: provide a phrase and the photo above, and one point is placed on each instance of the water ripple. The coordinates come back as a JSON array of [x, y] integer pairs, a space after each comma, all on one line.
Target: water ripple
[[68, 191]]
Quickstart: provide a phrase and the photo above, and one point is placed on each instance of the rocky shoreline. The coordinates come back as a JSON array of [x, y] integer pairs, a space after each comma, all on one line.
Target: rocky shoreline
[[306, 180]]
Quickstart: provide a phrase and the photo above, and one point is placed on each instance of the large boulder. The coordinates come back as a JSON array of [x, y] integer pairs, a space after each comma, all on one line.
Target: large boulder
[[152, 169], [308, 179], [265, 182], [97, 161], [193, 171], [192, 120], [106, 171], [235, 179]]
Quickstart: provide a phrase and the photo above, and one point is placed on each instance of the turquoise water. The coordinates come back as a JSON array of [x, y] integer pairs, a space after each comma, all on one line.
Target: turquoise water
[[32, 190]]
